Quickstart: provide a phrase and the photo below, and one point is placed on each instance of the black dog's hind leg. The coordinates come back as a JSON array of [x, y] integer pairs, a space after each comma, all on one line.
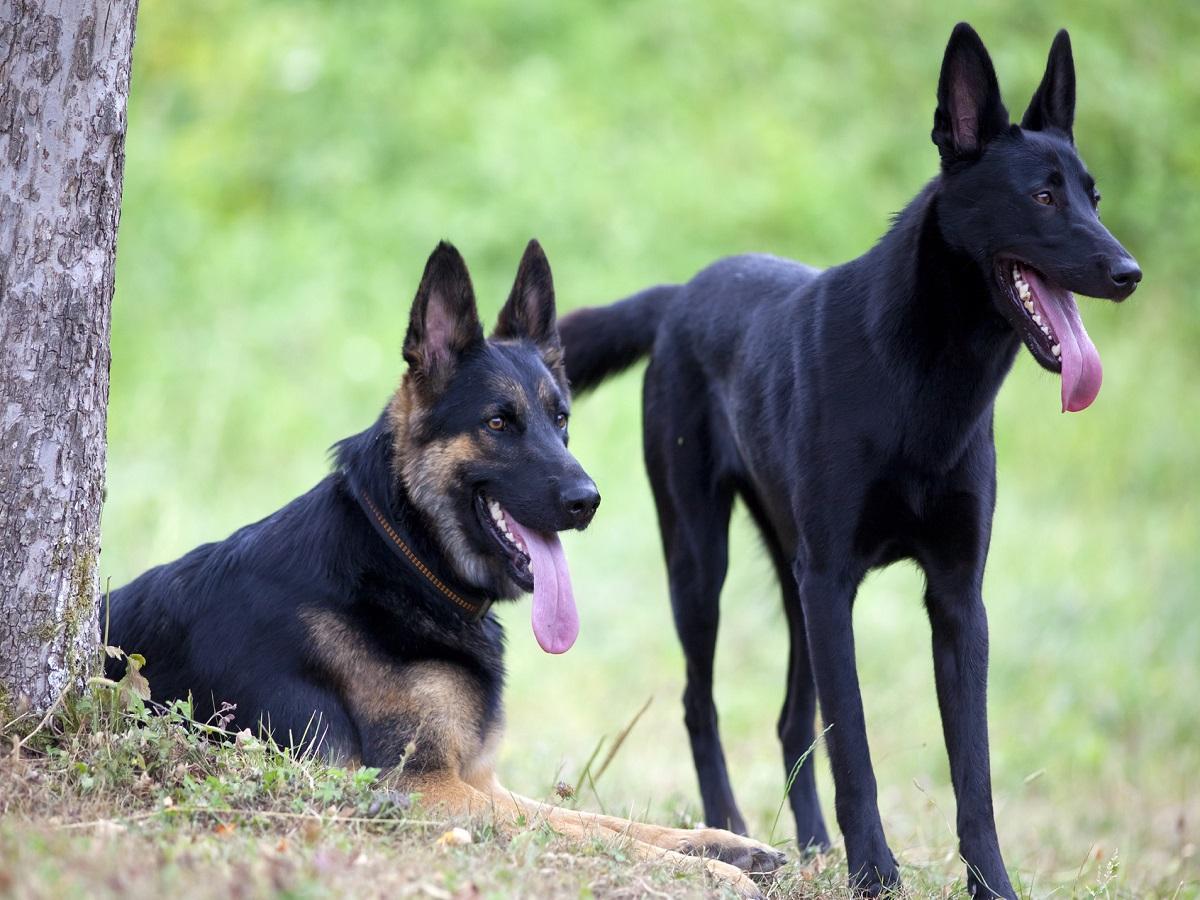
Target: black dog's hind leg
[[796, 731], [796, 720], [960, 658], [693, 515], [827, 599]]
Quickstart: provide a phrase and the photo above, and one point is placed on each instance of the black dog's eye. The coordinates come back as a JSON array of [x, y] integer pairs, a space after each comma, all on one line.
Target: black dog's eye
[[561, 420], [1044, 197], [497, 423], [1095, 198]]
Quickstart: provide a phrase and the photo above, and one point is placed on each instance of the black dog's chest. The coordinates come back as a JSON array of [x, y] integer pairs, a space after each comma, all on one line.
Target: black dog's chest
[[927, 522]]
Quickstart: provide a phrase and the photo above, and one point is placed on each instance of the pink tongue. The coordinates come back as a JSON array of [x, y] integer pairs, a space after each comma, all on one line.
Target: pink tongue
[[555, 619], [1081, 370]]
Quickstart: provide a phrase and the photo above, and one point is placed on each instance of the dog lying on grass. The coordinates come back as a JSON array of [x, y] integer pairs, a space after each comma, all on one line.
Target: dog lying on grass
[[359, 614]]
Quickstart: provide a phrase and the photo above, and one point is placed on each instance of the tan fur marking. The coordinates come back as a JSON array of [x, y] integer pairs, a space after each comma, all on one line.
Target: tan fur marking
[[427, 470], [438, 695], [548, 396], [401, 413], [504, 810], [429, 474], [512, 391]]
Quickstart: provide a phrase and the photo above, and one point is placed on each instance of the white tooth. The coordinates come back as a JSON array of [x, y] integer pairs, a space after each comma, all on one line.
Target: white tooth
[[1037, 319], [1016, 272], [1023, 290], [1029, 305], [1056, 350]]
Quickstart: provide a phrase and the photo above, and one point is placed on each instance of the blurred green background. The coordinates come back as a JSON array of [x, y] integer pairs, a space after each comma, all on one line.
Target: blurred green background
[[291, 165]]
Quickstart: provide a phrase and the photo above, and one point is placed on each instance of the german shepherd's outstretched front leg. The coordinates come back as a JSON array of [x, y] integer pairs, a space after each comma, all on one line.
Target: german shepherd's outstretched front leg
[[706, 848], [443, 752]]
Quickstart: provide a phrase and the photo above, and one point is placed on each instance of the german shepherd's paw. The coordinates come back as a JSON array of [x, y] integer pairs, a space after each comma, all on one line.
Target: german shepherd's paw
[[745, 853]]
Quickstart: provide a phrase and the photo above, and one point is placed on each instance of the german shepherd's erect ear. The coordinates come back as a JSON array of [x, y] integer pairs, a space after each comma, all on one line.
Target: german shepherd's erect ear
[[444, 323], [1053, 103], [969, 111], [529, 313]]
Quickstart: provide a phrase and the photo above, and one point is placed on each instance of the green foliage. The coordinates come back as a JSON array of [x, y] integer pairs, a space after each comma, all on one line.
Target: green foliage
[[290, 165], [111, 745]]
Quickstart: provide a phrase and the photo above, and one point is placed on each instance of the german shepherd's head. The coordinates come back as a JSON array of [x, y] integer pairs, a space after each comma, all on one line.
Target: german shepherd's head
[[1020, 202], [479, 428]]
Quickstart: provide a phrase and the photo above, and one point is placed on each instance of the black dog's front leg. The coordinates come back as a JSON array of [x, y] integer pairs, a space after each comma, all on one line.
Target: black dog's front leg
[[826, 600], [960, 658]]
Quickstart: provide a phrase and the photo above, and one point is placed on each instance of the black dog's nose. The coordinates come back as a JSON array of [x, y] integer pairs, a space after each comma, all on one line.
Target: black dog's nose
[[1125, 273], [579, 502]]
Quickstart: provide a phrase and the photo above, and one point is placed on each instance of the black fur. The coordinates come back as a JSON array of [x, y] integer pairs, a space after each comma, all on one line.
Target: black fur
[[852, 411], [226, 622]]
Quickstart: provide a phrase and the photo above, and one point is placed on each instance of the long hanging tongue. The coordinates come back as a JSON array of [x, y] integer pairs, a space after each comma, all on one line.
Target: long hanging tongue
[[555, 619], [1081, 369]]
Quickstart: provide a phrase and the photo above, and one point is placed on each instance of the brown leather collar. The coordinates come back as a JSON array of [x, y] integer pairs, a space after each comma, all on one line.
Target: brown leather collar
[[475, 608]]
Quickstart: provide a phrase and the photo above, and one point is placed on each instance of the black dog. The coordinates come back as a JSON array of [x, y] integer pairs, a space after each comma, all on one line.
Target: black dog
[[852, 411], [355, 619]]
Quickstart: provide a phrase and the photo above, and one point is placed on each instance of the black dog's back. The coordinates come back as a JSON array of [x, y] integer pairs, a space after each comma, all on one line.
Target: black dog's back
[[605, 341]]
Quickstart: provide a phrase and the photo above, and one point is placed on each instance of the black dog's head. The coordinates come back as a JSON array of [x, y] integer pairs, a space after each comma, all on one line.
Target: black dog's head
[[480, 429], [1020, 201]]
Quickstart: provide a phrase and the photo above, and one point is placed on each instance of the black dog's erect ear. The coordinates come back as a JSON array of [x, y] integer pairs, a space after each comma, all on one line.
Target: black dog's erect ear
[[444, 323], [1053, 103], [529, 313], [969, 112]]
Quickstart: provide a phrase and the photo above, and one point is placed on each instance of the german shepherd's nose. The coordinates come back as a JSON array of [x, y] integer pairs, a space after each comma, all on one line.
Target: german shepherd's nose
[[579, 501]]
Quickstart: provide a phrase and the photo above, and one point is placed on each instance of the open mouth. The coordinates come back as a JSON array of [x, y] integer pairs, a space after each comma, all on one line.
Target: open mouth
[[555, 619], [1046, 318], [511, 544]]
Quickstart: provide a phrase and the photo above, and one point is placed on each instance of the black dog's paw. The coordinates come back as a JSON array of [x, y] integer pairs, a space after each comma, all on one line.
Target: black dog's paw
[[990, 889], [877, 879]]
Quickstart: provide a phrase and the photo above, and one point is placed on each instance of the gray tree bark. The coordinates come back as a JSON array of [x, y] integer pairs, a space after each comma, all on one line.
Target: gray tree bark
[[64, 82]]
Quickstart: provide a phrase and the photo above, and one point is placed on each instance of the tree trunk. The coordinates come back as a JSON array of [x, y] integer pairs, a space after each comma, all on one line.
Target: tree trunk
[[64, 81]]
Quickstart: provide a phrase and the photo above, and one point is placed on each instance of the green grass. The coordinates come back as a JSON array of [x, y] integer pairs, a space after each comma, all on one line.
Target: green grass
[[290, 166], [109, 799], [109, 796]]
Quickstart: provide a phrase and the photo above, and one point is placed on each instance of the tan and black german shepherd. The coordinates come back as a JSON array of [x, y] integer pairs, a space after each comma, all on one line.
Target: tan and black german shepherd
[[363, 605]]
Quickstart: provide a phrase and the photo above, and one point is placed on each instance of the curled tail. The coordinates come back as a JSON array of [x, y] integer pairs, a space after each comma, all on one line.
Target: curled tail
[[600, 341]]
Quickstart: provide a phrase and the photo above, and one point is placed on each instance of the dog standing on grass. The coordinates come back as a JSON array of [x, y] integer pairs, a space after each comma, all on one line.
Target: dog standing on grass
[[358, 615], [851, 410]]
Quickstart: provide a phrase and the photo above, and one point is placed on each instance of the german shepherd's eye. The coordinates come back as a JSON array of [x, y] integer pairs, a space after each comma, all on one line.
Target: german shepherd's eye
[[497, 423], [561, 420], [1044, 197]]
